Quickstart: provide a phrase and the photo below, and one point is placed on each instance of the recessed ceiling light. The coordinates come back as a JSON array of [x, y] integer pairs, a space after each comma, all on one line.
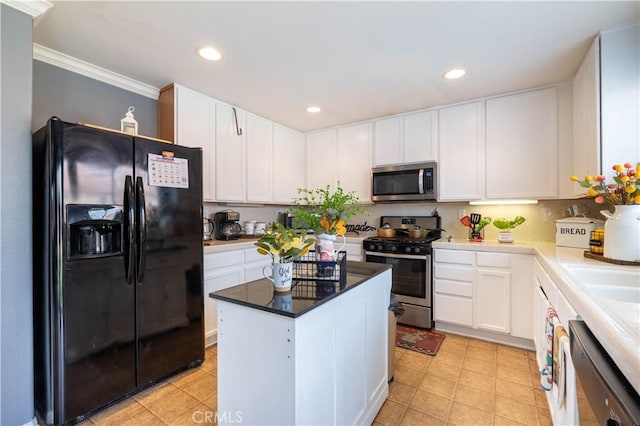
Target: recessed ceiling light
[[314, 109], [454, 73], [209, 53]]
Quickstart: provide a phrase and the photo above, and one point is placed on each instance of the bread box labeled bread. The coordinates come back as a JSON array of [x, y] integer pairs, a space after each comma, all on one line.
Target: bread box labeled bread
[[576, 231]]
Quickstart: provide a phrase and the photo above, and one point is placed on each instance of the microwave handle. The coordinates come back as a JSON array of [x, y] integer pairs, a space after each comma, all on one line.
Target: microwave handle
[[421, 181]]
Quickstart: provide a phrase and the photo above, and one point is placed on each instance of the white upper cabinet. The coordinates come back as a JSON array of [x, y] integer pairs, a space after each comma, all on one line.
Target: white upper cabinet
[[521, 146], [460, 172], [586, 117], [322, 158], [259, 172], [387, 147], [289, 164], [190, 121], [354, 160], [408, 138], [230, 153], [420, 136]]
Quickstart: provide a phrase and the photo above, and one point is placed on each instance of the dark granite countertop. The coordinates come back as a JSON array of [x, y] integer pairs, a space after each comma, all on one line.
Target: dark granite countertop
[[304, 295]]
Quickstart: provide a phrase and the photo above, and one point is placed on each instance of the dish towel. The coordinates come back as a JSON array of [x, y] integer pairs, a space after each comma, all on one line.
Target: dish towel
[[546, 374], [560, 350]]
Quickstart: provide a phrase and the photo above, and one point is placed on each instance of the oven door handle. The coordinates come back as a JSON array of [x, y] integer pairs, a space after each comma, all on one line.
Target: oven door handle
[[397, 256]]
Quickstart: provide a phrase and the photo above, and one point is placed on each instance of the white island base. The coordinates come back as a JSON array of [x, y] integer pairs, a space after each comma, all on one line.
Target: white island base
[[326, 366]]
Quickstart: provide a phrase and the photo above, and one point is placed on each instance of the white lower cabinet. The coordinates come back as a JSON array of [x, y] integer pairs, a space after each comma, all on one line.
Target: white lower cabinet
[[354, 251], [254, 263], [221, 270], [546, 294], [484, 291], [492, 300]]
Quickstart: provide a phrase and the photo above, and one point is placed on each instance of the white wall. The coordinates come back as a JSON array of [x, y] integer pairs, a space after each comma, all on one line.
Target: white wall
[[620, 96], [540, 224], [16, 315]]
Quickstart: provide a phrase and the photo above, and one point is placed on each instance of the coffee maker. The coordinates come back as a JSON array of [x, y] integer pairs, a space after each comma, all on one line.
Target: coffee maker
[[226, 226]]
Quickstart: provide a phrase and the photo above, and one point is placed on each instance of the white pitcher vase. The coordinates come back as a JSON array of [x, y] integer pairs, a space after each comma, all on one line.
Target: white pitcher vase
[[622, 233], [327, 254], [325, 247]]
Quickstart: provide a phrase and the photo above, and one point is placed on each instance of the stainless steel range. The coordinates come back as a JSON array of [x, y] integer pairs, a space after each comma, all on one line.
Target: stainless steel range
[[411, 260]]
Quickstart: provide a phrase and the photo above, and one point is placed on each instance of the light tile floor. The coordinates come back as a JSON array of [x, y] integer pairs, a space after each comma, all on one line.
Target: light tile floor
[[468, 382]]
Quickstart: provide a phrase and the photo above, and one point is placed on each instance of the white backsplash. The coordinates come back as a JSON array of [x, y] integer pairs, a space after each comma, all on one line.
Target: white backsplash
[[540, 224]]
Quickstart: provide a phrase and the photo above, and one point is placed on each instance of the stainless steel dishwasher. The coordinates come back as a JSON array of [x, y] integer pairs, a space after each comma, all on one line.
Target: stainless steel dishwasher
[[612, 399]]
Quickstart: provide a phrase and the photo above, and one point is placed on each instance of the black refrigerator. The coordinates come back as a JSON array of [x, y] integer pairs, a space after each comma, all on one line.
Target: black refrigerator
[[117, 256]]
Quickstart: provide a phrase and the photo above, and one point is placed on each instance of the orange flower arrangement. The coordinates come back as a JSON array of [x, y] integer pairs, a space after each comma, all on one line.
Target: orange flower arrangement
[[328, 226]]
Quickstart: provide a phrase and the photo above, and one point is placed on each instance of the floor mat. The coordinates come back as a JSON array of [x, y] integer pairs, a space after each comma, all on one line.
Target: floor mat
[[418, 339]]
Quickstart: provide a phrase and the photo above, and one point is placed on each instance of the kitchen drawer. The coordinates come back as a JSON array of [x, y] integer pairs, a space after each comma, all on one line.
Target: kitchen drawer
[[458, 288], [223, 259], [252, 255], [354, 251], [453, 309], [497, 260], [454, 256], [452, 272]]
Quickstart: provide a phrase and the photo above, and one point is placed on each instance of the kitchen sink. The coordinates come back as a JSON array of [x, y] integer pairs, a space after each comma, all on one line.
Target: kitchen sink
[[619, 284], [625, 294], [605, 276], [617, 288]]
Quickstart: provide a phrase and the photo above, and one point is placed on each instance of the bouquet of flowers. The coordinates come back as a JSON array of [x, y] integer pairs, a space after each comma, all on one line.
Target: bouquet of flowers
[[283, 245], [625, 188]]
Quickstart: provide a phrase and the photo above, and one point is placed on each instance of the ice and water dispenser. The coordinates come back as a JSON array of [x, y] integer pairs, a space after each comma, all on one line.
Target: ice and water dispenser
[[94, 230]]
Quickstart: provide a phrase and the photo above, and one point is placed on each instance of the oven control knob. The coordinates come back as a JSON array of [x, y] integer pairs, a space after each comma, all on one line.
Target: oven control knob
[[407, 249], [417, 250], [380, 247], [394, 248]]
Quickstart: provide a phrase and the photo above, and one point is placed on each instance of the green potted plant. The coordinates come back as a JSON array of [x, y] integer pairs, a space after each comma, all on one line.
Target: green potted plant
[[325, 212], [505, 226]]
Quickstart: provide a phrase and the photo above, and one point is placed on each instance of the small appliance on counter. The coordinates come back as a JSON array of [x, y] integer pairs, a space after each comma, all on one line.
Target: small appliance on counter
[[207, 229], [286, 219], [226, 226]]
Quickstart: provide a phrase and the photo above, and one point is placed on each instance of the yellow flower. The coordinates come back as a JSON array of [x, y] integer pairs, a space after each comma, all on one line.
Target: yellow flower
[[340, 228], [624, 179], [629, 189], [637, 199], [592, 192], [588, 178], [618, 168], [305, 250], [574, 178]]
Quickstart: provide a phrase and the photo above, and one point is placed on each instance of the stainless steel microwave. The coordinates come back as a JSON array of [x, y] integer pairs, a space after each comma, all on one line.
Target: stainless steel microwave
[[407, 182]]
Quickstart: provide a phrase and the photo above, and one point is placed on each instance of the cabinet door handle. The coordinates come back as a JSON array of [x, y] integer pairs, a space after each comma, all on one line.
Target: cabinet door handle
[[235, 117]]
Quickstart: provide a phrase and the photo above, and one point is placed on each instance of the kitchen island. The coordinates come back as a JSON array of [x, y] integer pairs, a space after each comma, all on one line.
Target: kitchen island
[[314, 355]]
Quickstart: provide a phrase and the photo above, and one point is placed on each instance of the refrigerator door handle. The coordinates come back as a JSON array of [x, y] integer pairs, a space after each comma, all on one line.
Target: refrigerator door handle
[[141, 228], [129, 229]]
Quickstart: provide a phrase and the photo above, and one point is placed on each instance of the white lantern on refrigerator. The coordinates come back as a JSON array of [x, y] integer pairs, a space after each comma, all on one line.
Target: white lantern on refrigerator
[[129, 124]]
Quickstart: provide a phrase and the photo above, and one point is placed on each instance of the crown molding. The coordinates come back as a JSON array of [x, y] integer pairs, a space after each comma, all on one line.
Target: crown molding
[[78, 66], [34, 8]]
